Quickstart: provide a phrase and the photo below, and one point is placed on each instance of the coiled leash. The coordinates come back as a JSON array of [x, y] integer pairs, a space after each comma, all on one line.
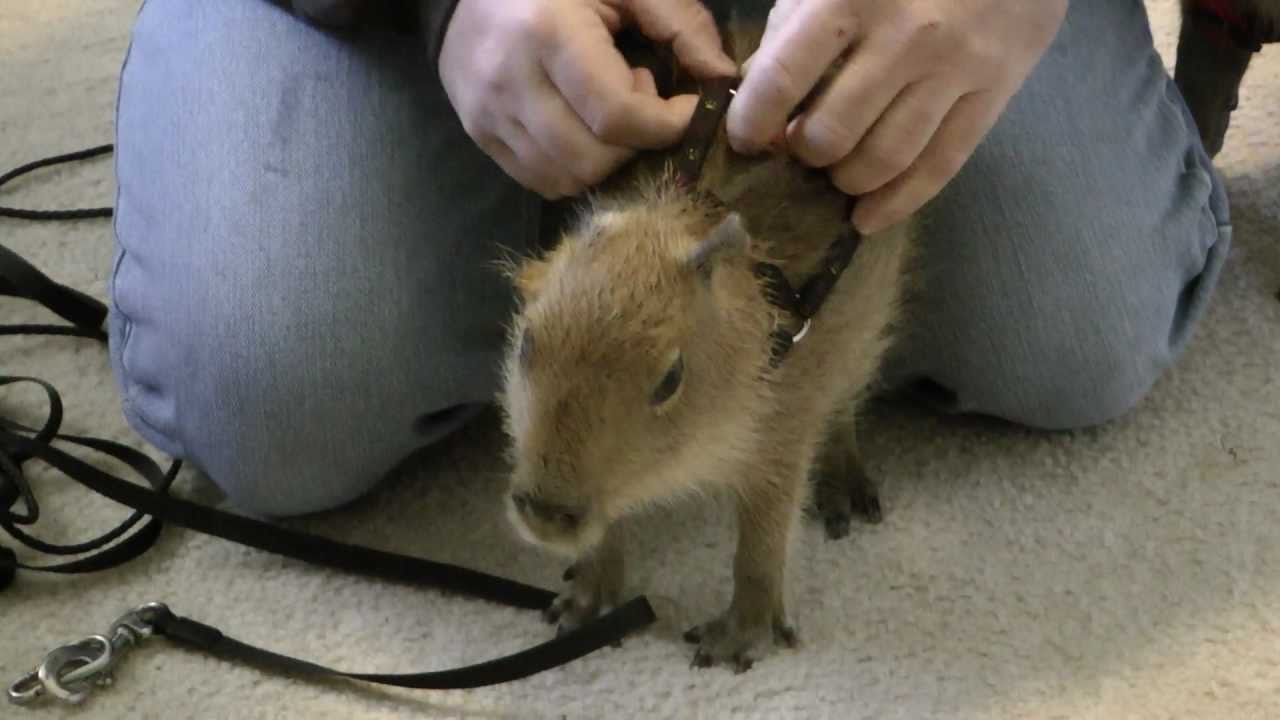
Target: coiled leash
[[70, 672]]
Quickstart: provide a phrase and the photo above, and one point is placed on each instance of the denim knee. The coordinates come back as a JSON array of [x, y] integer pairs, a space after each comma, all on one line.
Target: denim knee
[[304, 293], [283, 423], [1066, 323], [1064, 269]]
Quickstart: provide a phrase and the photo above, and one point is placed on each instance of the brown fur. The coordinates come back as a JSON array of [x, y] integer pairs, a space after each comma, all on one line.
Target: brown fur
[[650, 274]]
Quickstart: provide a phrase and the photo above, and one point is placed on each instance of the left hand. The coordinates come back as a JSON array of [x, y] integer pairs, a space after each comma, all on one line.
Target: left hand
[[922, 83]]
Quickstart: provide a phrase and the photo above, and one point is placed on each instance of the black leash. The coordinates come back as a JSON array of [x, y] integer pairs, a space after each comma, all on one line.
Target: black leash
[[55, 214], [71, 671]]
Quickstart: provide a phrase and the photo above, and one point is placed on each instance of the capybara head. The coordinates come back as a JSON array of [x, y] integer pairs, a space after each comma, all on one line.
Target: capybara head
[[635, 363]]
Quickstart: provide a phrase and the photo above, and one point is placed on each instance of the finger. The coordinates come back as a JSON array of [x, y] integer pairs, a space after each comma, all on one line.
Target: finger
[[610, 14], [777, 18], [784, 69], [691, 29], [896, 139], [778, 14], [522, 158], [562, 135], [595, 79], [506, 159], [643, 81], [834, 123], [964, 126]]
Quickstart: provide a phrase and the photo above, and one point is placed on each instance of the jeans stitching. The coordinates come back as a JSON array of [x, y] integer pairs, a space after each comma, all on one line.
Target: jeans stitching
[[128, 385]]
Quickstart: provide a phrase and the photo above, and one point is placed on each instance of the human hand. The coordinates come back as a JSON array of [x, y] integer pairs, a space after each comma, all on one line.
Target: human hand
[[922, 83], [542, 88]]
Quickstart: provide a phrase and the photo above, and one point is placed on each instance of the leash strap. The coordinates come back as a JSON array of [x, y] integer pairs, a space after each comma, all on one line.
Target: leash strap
[[71, 671], [55, 214], [564, 649], [21, 279]]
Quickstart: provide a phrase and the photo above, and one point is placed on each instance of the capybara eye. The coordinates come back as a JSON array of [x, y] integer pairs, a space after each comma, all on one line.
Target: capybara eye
[[568, 520], [670, 382]]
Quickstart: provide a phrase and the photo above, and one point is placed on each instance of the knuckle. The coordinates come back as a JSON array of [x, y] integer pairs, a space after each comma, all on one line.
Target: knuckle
[[845, 183], [492, 84], [587, 169], [930, 38], [568, 186], [550, 188], [946, 164], [855, 181], [477, 127], [606, 120], [882, 157], [492, 78], [824, 141], [701, 18], [921, 20], [969, 49], [597, 170], [478, 133], [777, 79], [538, 22]]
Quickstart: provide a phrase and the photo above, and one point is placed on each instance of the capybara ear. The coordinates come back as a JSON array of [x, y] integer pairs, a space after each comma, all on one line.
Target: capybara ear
[[728, 239]]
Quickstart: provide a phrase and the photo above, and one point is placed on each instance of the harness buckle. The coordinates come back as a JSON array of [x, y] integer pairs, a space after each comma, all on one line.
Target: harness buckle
[[804, 330]]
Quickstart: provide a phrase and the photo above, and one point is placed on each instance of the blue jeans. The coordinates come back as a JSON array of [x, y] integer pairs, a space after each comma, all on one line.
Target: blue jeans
[[303, 294]]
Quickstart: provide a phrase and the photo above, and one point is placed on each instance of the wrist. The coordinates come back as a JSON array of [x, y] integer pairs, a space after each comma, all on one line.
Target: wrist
[[434, 17]]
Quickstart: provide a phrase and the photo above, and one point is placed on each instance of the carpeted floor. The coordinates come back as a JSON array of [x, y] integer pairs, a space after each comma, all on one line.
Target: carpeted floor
[[1126, 572]]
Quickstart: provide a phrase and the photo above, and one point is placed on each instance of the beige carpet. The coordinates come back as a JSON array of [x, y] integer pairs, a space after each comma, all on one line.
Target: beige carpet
[[1128, 572]]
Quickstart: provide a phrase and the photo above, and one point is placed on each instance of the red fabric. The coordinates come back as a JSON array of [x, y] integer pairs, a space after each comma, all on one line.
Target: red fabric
[[1233, 28], [1224, 9]]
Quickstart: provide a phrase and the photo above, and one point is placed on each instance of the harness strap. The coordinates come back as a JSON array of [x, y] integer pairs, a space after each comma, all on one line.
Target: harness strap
[[805, 302], [713, 103], [819, 286]]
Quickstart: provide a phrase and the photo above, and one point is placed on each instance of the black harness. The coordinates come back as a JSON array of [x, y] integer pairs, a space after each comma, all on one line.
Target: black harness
[[800, 304]]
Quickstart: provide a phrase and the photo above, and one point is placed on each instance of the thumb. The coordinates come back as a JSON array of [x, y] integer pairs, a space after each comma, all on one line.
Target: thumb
[[690, 28]]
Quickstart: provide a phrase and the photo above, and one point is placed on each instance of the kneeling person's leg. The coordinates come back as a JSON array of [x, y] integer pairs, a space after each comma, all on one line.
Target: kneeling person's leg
[[1066, 266], [303, 291]]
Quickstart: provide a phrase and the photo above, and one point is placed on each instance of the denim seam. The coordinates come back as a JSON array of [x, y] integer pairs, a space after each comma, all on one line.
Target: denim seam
[[127, 383], [1196, 158]]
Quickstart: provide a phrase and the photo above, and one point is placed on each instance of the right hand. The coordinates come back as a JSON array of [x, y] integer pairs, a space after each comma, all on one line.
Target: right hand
[[542, 88]]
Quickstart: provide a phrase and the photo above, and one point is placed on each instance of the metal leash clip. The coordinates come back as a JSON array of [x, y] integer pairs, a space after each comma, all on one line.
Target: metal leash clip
[[69, 672]]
